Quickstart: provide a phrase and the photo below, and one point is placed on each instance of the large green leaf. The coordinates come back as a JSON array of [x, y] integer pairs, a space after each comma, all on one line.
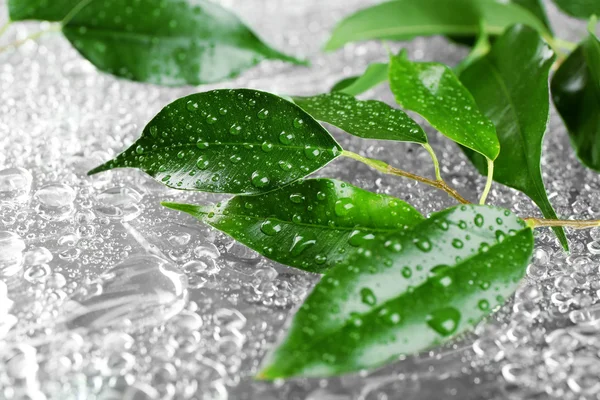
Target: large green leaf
[[510, 85], [433, 91], [369, 119], [406, 19], [536, 7], [406, 292], [576, 94], [169, 42], [579, 8], [312, 224], [375, 74], [238, 141]]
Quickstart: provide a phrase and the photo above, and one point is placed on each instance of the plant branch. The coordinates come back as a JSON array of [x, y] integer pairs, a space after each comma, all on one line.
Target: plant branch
[[488, 183], [388, 169], [566, 223], [434, 158], [33, 36]]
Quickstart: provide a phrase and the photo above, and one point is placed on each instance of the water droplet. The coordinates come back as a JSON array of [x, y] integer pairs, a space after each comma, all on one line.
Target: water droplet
[[423, 244], [263, 114], [479, 220], [15, 185], [121, 203], [191, 105], [457, 243], [55, 201], [298, 123], [296, 198], [343, 207], [202, 145], [286, 138], [235, 129], [260, 179], [11, 253], [300, 244], [368, 297], [444, 320], [270, 228]]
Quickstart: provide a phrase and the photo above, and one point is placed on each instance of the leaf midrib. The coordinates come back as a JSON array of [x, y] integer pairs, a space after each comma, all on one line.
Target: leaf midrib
[[433, 29]]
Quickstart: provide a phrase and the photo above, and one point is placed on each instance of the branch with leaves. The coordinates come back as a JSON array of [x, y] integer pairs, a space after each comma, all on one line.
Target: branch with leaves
[[394, 282]]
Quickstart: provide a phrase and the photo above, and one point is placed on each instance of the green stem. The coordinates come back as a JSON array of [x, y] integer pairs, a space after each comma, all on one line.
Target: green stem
[[80, 6], [564, 44], [488, 183], [33, 36], [434, 158], [5, 27], [388, 169], [552, 223]]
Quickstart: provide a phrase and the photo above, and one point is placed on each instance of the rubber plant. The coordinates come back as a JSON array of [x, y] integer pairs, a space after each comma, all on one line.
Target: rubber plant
[[394, 282]]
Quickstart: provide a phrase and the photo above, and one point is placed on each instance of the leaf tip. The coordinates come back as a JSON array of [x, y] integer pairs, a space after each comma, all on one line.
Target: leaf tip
[[98, 169]]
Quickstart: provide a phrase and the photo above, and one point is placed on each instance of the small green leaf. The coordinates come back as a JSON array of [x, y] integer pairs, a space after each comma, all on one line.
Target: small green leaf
[[406, 292], [433, 91], [374, 75], [510, 85], [579, 8], [238, 141], [576, 94], [312, 224], [368, 119], [171, 42], [406, 19]]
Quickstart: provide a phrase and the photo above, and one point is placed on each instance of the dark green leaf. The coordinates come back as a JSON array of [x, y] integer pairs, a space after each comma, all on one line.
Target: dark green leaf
[[406, 292], [43, 10], [171, 42], [368, 119], [375, 74], [433, 91], [510, 86], [312, 225], [576, 94], [536, 7], [238, 141], [579, 8], [406, 19]]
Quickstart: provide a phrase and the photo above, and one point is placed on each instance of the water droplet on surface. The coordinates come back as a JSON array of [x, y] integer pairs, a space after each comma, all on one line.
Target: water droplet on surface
[[11, 253], [270, 228], [119, 203], [15, 185], [260, 179], [444, 320], [141, 291], [343, 207]]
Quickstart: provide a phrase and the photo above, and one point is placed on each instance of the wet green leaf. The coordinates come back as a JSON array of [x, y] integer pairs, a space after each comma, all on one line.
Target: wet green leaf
[[406, 292], [576, 94], [368, 119], [312, 224], [374, 75], [406, 19], [579, 8], [510, 85], [238, 141], [171, 42], [433, 91]]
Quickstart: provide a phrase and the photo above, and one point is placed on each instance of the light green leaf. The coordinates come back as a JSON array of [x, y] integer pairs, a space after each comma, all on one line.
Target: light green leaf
[[579, 8], [238, 141], [312, 224], [374, 75], [405, 292], [368, 119], [510, 86], [433, 91], [536, 7], [168, 42], [576, 94], [406, 19]]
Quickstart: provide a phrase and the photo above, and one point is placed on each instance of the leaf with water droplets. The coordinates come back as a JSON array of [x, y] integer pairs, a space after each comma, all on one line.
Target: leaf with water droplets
[[375, 74], [312, 224], [238, 141], [406, 19], [406, 292], [433, 91], [370, 119], [169, 42], [576, 94], [510, 86], [579, 8]]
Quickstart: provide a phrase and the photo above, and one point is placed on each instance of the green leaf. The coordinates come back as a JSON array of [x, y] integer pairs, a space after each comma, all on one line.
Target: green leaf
[[510, 85], [536, 7], [312, 224], [433, 91], [171, 42], [406, 292], [375, 74], [238, 141], [406, 19], [576, 94], [579, 8], [368, 119]]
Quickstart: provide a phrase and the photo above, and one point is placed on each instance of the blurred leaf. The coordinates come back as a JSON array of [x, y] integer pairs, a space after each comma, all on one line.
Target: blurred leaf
[[579, 8], [311, 225], [369, 119], [375, 74], [238, 141], [510, 86], [434, 92], [405, 292]]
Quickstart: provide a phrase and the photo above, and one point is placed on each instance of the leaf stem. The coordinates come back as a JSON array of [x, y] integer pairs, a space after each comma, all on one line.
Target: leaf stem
[[434, 158], [540, 222], [388, 169], [33, 36], [488, 183]]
